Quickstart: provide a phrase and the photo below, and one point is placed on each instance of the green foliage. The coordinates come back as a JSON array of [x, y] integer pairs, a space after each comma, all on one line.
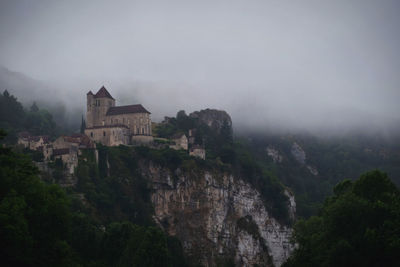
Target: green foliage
[[120, 193], [13, 119], [83, 126], [182, 123], [358, 226], [247, 224], [34, 217], [40, 225], [40, 122], [222, 151]]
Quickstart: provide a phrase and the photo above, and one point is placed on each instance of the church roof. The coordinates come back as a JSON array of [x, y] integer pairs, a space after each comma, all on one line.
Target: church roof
[[108, 126], [103, 93], [126, 110]]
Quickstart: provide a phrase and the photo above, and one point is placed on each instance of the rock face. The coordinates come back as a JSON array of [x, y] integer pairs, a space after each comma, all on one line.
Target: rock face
[[213, 118], [298, 153], [218, 216], [274, 154]]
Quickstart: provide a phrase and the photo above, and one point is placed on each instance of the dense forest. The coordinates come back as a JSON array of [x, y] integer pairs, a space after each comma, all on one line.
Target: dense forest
[[15, 118], [358, 226], [43, 225]]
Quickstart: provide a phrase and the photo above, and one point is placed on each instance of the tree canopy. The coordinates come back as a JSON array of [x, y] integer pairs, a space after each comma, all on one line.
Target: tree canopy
[[358, 226]]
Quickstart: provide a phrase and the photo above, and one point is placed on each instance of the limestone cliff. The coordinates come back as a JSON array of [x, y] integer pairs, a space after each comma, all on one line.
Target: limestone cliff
[[215, 119], [218, 216]]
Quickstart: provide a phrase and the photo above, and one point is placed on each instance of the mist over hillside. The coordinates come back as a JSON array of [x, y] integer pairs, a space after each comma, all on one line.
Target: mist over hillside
[[64, 105], [67, 103], [272, 66]]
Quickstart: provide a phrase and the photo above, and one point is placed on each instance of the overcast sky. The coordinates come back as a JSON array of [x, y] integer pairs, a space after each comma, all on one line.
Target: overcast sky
[[313, 64]]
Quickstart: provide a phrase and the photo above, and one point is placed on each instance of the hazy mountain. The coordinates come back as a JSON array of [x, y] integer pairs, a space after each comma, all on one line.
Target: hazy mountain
[[45, 94]]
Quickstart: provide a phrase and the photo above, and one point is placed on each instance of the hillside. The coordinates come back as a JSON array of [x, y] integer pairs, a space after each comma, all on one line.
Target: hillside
[[159, 206], [311, 166], [28, 90]]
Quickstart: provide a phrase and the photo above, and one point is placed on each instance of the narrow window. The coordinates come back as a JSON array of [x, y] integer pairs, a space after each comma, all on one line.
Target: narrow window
[[104, 133], [91, 134]]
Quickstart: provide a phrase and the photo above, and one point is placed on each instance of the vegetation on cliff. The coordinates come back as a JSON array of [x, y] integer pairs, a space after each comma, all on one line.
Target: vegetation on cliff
[[232, 155], [358, 226], [334, 158], [42, 225]]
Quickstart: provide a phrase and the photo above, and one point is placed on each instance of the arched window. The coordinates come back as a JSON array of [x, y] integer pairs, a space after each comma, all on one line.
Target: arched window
[[91, 134]]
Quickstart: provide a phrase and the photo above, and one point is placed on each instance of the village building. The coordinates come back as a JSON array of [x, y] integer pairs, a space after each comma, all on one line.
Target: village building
[[197, 151], [192, 138], [78, 141], [116, 125], [66, 148], [180, 141], [69, 157], [33, 142]]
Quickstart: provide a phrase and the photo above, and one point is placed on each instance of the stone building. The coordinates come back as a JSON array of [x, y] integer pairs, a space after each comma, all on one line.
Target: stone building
[[116, 125], [197, 151], [69, 157], [180, 141], [33, 142]]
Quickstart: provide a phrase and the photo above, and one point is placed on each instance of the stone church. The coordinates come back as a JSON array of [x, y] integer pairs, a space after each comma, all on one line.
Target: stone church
[[116, 125]]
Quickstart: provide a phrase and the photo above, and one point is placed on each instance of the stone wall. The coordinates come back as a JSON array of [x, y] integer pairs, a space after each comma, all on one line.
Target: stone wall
[[109, 136], [180, 143], [141, 139], [138, 123]]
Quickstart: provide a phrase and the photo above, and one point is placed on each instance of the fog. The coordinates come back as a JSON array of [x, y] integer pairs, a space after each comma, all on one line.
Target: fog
[[323, 66]]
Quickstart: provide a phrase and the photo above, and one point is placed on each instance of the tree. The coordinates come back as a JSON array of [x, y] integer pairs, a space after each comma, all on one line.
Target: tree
[[358, 226], [83, 125], [226, 132], [34, 217], [34, 107]]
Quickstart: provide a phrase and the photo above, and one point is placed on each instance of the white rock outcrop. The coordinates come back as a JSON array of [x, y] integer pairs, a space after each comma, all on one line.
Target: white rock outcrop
[[298, 153], [203, 211]]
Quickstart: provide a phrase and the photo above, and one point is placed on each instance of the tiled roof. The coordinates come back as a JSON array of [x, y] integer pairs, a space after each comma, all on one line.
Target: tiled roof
[[46, 138], [126, 110], [108, 126], [24, 134], [61, 151], [81, 139], [103, 93], [196, 147], [178, 135]]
